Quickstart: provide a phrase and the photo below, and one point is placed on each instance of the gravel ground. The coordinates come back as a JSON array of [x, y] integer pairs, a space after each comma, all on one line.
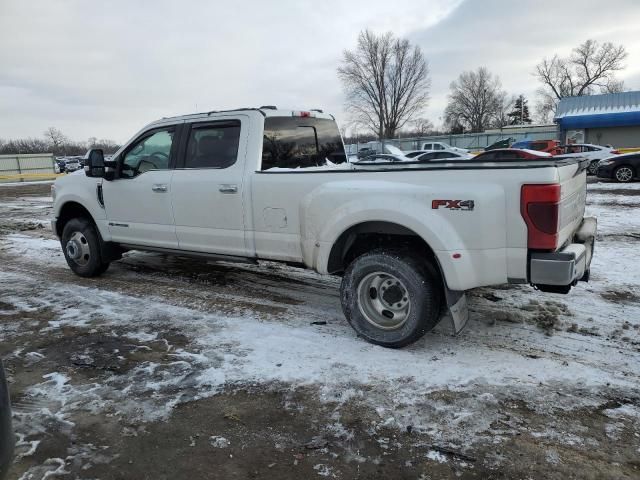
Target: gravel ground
[[168, 367]]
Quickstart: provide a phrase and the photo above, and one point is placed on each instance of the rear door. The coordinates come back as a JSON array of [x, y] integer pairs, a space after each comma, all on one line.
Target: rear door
[[207, 187]]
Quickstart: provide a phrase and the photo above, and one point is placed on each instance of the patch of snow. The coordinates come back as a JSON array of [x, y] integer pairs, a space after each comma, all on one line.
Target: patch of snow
[[436, 456], [628, 410], [219, 442], [323, 470]]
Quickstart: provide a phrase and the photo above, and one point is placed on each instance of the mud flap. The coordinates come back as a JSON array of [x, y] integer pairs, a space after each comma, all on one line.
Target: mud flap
[[458, 311]]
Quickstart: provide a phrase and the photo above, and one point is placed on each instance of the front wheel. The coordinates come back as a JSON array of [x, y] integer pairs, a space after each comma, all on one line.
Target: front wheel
[[623, 174], [81, 246], [390, 298], [592, 169]]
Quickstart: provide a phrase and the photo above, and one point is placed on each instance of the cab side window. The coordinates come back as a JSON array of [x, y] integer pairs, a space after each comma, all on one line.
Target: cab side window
[[152, 152], [213, 145]]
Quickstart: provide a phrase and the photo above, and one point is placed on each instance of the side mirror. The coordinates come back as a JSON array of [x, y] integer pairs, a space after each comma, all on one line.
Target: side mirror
[[94, 163]]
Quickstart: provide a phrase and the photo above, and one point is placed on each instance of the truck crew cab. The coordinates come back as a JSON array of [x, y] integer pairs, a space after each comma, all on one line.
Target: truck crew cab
[[267, 184]]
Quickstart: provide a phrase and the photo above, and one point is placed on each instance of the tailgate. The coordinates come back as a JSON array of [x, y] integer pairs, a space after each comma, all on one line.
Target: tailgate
[[573, 196]]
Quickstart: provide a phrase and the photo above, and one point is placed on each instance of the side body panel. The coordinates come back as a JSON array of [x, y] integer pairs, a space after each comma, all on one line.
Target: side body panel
[[299, 216], [80, 189]]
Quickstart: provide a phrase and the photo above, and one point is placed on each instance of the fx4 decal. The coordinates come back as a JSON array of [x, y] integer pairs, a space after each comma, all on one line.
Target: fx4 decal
[[453, 204]]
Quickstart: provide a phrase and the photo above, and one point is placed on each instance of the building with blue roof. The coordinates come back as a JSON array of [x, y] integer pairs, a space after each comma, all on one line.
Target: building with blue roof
[[610, 119]]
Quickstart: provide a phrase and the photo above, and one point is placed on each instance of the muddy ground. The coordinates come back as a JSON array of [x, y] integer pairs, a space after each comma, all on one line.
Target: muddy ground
[[168, 367]]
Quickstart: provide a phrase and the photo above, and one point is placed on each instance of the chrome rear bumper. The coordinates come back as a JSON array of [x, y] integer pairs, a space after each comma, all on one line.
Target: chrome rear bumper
[[565, 267]]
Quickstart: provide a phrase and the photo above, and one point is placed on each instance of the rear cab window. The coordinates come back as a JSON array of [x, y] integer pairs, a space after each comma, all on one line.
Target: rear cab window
[[301, 142]]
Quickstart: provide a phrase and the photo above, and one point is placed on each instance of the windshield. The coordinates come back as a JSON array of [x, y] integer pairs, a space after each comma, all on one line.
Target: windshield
[[301, 142]]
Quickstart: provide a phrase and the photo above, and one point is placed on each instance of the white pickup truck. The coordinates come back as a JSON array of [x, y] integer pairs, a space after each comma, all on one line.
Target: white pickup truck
[[407, 238]]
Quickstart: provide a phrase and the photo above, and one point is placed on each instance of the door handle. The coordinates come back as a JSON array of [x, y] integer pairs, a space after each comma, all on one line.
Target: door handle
[[160, 187], [228, 188]]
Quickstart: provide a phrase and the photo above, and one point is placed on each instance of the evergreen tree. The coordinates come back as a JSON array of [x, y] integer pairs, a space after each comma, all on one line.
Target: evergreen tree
[[520, 113]]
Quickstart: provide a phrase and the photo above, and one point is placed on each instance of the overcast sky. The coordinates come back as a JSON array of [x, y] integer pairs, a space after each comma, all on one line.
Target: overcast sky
[[105, 69]]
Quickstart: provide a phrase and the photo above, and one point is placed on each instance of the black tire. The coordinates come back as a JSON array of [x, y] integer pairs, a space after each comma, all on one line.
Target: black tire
[[592, 169], [83, 257], [7, 438], [412, 275], [618, 174]]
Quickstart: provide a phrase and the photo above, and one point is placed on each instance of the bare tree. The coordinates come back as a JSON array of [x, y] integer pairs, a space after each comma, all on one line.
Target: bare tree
[[386, 82], [57, 140], [422, 127], [505, 105], [476, 101], [589, 69]]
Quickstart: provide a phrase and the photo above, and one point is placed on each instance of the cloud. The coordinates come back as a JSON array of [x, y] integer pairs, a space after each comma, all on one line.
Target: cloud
[[510, 38], [105, 69]]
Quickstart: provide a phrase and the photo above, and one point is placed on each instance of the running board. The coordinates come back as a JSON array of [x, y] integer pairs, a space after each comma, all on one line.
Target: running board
[[215, 257], [458, 313]]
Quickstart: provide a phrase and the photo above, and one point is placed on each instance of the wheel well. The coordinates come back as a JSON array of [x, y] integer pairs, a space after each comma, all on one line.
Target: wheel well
[[71, 210], [367, 236]]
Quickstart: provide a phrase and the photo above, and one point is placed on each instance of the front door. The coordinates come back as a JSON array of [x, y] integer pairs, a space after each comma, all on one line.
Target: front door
[[138, 200], [207, 187]]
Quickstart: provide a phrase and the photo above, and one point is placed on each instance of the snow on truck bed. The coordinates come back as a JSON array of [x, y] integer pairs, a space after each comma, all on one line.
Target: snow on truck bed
[[181, 331]]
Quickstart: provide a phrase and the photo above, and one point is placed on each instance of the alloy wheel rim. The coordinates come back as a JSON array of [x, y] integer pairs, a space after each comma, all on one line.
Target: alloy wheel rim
[[384, 300], [624, 174]]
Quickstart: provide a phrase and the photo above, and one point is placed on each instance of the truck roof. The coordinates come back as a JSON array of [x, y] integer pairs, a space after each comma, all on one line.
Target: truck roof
[[265, 111]]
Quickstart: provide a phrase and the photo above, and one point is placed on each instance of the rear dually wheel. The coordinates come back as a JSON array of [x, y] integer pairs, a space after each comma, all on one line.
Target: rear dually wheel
[[390, 297]]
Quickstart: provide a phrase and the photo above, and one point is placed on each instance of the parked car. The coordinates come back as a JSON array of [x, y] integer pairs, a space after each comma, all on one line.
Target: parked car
[[72, 164], [548, 146], [406, 238], [382, 157], [510, 155], [59, 165], [594, 153], [442, 155], [415, 153], [6, 432], [365, 152], [622, 168], [504, 143], [431, 146]]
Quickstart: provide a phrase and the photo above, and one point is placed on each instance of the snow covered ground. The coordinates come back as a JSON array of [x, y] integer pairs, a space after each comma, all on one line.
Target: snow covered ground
[[253, 371]]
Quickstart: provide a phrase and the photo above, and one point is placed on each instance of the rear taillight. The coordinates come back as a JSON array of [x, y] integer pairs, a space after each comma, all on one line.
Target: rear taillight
[[615, 152], [540, 208]]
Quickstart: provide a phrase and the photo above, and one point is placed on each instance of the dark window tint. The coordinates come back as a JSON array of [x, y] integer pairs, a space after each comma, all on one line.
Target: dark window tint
[[487, 157], [301, 142], [506, 156], [427, 156], [213, 145], [412, 154], [446, 155]]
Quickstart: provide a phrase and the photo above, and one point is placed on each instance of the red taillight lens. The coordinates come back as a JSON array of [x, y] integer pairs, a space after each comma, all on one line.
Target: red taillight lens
[[540, 208], [615, 152]]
